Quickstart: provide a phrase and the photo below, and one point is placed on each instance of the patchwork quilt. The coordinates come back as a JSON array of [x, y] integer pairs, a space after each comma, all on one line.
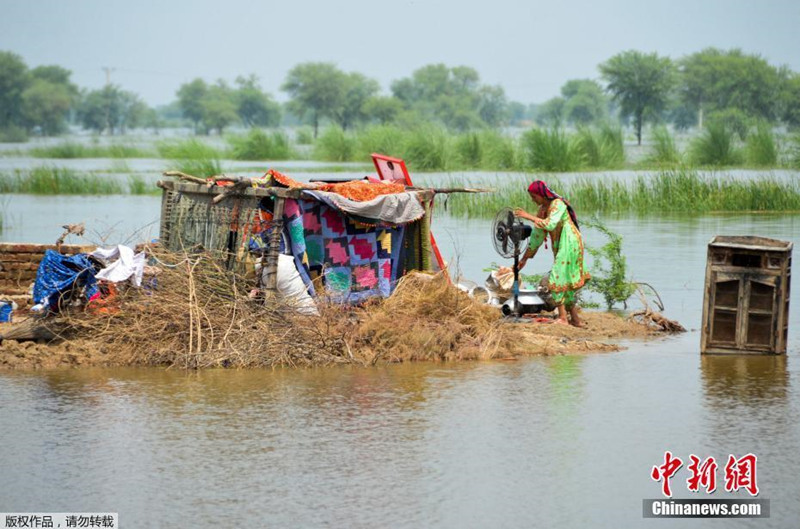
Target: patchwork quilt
[[355, 261]]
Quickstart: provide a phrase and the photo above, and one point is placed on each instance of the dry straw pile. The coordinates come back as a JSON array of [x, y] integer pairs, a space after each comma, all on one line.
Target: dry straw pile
[[199, 315]]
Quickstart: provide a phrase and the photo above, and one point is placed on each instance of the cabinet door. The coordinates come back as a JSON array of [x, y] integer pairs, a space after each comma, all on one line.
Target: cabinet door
[[761, 311], [725, 308]]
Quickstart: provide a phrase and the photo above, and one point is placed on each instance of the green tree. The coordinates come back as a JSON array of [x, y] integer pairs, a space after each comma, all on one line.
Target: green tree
[[316, 90], [640, 83], [551, 112], [517, 112], [453, 96], [492, 105], [714, 80], [356, 91], [383, 109], [47, 100], [218, 107], [45, 106], [14, 79], [111, 109], [585, 102], [790, 101], [255, 107], [190, 99]]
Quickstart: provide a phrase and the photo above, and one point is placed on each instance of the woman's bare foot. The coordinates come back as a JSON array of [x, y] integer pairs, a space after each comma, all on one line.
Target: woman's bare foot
[[576, 320], [560, 321]]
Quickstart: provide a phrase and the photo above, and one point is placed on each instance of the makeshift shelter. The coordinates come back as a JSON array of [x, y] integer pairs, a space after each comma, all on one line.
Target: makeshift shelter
[[352, 249]]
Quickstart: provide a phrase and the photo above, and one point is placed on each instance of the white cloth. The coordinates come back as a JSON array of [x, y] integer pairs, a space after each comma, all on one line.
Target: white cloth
[[126, 266], [290, 286]]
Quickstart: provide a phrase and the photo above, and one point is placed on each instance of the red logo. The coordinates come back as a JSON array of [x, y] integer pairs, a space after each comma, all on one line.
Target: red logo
[[739, 473], [666, 471]]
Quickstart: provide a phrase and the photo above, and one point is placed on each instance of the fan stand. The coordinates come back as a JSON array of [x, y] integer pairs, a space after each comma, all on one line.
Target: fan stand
[[515, 287]]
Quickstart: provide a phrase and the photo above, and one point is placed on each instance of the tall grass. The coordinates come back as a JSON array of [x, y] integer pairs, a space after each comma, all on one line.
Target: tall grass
[[551, 150], [603, 148], [13, 134], [715, 147], [498, 152], [69, 150], [381, 139], [793, 154], [664, 151], [468, 149], [138, 185], [761, 150], [57, 181], [258, 145], [304, 136], [334, 145], [428, 149], [192, 157], [679, 190]]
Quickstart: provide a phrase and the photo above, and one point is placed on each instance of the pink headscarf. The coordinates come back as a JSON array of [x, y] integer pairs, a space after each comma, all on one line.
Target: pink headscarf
[[538, 187]]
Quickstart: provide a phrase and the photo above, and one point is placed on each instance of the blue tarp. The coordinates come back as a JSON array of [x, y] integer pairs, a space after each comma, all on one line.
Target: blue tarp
[[58, 273]]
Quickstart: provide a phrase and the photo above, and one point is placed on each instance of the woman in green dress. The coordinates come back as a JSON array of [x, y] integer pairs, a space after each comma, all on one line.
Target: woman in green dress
[[557, 218]]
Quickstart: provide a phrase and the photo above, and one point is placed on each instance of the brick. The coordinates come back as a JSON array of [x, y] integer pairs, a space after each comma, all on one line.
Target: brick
[[20, 257]]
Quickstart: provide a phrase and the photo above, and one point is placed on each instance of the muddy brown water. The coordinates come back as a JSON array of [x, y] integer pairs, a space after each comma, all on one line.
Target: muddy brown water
[[542, 442]]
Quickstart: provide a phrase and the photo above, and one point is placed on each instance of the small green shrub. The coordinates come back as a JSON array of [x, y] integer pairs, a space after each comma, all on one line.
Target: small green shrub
[[609, 271]]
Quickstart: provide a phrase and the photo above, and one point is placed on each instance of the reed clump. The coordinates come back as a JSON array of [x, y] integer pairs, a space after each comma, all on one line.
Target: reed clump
[[45, 180], [192, 157], [381, 139], [761, 149], [602, 148], [551, 150], [664, 151], [716, 146], [335, 145], [258, 145], [677, 190], [428, 149], [71, 150]]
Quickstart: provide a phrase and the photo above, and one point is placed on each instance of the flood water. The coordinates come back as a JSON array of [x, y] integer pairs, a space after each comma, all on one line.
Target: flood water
[[542, 442]]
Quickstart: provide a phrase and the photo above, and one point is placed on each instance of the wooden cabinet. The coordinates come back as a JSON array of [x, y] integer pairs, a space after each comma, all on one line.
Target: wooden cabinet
[[746, 303]]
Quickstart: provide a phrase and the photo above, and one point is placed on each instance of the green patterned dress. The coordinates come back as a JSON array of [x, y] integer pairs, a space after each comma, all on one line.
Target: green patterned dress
[[567, 275]]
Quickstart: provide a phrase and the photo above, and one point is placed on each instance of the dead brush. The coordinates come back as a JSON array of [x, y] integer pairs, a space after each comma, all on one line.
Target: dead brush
[[427, 318], [199, 315]]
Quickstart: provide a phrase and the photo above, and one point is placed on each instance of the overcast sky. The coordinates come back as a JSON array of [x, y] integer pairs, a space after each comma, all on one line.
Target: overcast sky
[[530, 47]]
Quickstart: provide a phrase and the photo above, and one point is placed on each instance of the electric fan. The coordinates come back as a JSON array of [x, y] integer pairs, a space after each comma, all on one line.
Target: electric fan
[[509, 235]]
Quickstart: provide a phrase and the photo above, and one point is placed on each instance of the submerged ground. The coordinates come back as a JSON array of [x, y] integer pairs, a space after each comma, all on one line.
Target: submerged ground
[[544, 441]]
